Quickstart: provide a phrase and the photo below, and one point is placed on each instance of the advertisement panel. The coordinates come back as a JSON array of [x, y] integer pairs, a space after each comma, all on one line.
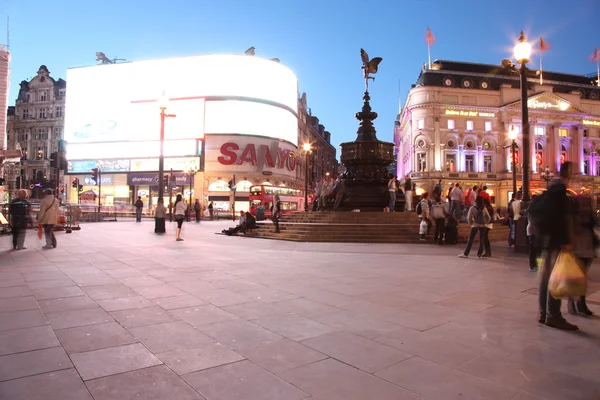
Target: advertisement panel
[[140, 179], [239, 154], [172, 148], [176, 164], [120, 103]]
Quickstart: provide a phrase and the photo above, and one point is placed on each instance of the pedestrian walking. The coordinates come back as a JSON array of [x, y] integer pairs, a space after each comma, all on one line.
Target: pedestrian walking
[[408, 193], [48, 217], [516, 213], [478, 218], [456, 199], [438, 187], [139, 206], [392, 190], [180, 209], [439, 212], [20, 210], [511, 221], [210, 210], [160, 215], [197, 211], [532, 242], [552, 215], [276, 212], [424, 212]]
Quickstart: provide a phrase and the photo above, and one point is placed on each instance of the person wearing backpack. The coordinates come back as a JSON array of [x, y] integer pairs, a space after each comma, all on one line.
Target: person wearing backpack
[[552, 215], [439, 212], [424, 214], [478, 218]]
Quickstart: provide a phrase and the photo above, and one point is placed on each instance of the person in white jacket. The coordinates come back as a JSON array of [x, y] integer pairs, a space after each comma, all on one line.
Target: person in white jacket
[[478, 217], [48, 217]]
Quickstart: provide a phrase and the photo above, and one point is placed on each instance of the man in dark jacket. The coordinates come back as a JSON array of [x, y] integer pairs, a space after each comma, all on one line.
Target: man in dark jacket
[[19, 217], [560, 237], [139, 206]]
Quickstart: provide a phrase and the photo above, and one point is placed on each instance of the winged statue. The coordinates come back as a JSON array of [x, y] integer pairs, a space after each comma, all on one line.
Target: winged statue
[[369, 67]]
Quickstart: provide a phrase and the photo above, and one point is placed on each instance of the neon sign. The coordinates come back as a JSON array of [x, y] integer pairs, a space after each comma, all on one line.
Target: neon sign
[[251, 155], [461, 113], [590, 122], [561, 105]]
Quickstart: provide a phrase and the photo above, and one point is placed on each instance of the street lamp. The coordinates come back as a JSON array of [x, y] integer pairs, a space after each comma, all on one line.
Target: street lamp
[[547, 175], [306, 148], [162, 104], [522, 53], [191, 173]]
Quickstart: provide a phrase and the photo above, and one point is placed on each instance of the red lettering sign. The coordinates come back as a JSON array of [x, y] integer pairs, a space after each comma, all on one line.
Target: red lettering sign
[[248, 155], [291, 161], [283, 154], [268, 156], [228, 151]]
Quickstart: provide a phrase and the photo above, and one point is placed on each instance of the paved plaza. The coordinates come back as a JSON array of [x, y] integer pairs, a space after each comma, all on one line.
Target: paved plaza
[[117, 312]]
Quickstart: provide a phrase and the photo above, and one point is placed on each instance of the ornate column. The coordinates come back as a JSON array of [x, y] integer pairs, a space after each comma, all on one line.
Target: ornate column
[[479, 159], [437, 153], [579, 148], [556, 144], [460, 159]]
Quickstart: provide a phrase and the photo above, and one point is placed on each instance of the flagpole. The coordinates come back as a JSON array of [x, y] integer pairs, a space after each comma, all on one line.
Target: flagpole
[[429, 55], [541, 69]]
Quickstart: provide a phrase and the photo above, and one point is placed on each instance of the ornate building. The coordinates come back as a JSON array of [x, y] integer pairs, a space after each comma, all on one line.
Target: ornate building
[[38, 124], [456, 121], [322, 160]]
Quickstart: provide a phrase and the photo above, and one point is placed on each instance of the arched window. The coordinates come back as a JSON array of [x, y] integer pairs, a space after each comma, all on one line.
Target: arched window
[[218, 186], [243, 186], [539, 154], [563, 154]]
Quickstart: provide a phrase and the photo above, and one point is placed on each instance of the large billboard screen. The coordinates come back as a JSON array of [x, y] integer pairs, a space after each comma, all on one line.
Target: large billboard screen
[[234, 94]]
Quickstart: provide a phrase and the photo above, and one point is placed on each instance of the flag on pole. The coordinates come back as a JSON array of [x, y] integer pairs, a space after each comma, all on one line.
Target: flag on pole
[[595, 55], [429, 38], [544, 46]]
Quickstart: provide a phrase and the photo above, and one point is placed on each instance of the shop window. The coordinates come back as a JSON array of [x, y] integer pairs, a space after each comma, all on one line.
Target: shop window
[[539, 131], [451, 162], [487, 163], [218, 186], [421, 162], [451, 124], [420, 124], [470, 125], [470, 163], [563, 132], [488, 126]]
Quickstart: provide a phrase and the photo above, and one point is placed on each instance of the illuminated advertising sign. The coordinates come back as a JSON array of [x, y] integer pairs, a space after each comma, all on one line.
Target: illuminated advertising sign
[[104, 165], [461, 113], [140, 179], [241, 154], [172, 148], [226, 93], [590, 122], [176, 164], [559, 105]]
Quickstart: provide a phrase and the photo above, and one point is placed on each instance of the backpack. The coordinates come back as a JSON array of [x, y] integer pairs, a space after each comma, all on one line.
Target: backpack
[[480, 216], [419, 208]]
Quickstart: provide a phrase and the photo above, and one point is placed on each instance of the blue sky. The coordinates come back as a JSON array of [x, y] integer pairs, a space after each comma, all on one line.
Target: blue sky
[[319, 40]]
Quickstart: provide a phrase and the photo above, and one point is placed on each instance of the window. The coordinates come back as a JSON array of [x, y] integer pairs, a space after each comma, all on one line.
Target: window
[[451, 162], [421, 162], [487, 163], [539, 154], [563, 154], [488, 126], [451, 144], [516, 128], [27, 97], [470, 163], [563, 132], [451, 124], [470, 145], [43, 96], [539, 131], [586, 167], [58, 135], [469, 125], [509, 159], [420, 124], [42, 113], [26, 113], [59, 111]]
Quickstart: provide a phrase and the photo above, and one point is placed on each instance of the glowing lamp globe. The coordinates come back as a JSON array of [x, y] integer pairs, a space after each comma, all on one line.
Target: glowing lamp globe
[[306, 146], [522, 50]]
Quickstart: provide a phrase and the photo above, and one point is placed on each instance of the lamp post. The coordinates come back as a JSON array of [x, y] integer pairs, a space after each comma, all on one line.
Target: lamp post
[[512, 135], [192, 173], [547, 175], [306, 148], [162, 104], [522, 53]]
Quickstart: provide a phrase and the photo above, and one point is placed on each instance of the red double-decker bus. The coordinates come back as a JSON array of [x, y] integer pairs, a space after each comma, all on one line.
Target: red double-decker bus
[[292, 200]]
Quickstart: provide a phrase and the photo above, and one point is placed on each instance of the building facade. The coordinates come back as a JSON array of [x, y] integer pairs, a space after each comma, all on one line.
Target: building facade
[[457, 118], [322, 161], [35, 125]]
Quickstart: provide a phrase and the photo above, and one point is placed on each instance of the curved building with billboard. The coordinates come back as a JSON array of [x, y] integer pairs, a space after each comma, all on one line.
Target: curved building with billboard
[[231, 115]]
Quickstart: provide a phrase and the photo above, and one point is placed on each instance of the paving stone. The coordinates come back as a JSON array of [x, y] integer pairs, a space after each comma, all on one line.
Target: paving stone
[[357, 351], [113, 360], [125, 303], [170, 336], [158, 291], [70, 319], [42, 276], [104, 292], [239, 333], [22, 319], [358, 324], [142, 316], [94, 337], [57, 292], [204, 356], [52, 283], [255, 309], [331, 379], [306, 308], [59, 385], [67, 304], [141, 281], [223, 297], [15, 291], [415, 374], [293, 326], [27, 339], [242, 380], [203, 315], [4, 283], [18, 304], [154, 383], [33, 362], [281, 355], [172, 303]]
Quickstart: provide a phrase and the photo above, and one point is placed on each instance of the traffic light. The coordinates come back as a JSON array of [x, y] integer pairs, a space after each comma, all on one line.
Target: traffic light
[[55, 160], [80, 188], [95, 173], [75, 183]]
